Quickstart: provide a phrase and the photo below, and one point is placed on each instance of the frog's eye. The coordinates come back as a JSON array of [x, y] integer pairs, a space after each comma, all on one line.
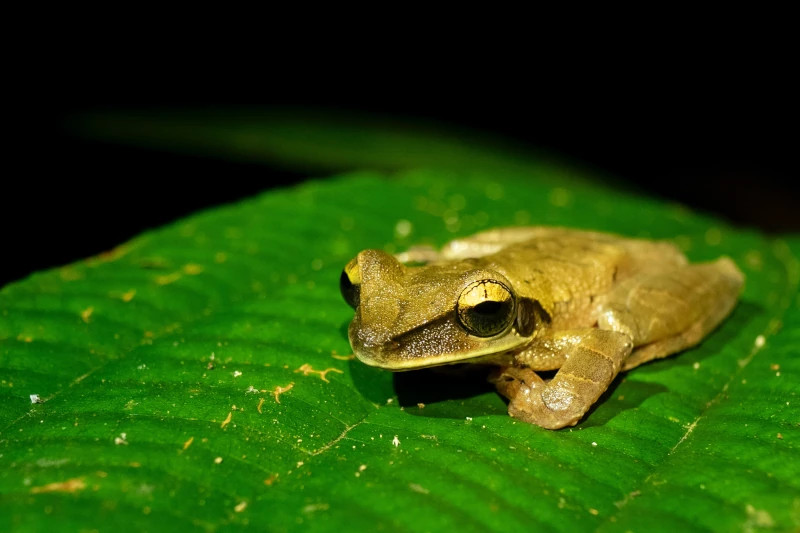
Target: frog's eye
[[350, 284], [486, 308]]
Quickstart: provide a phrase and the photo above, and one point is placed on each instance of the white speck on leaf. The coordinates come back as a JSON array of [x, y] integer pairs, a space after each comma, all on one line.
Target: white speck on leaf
[[418, 488], [403, 228], [47, 463], [121, 440], [316, 507], [757, 519], [36, 399], [396, 441]]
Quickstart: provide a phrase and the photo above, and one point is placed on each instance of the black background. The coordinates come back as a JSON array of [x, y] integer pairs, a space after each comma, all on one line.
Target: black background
[[721, 143]]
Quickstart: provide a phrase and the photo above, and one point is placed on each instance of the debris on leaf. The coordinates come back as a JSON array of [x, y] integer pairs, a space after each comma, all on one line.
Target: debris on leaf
[[128, 296], [307, 369], [166, 279], [70, 485], [86, 314], [280, 390], [192, 269]]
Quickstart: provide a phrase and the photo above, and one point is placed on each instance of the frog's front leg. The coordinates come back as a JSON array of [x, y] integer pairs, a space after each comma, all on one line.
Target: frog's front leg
[[591, 359]]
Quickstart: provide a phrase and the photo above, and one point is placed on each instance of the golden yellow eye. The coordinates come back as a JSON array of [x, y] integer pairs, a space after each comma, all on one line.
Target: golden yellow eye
[[350, 283], [486, 308]]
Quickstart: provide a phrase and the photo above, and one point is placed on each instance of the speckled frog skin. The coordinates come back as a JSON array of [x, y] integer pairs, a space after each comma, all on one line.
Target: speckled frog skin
[[533, 299]]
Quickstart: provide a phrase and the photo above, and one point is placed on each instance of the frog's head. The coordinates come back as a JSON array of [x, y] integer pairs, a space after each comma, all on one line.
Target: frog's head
[[415, 317]]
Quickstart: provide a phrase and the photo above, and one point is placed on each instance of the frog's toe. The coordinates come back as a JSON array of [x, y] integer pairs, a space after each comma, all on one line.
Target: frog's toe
[[509, 379], [548, 408]]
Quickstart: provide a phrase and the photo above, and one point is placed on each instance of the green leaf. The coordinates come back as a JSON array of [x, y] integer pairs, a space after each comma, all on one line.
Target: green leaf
[[182, 389], [321, 141]]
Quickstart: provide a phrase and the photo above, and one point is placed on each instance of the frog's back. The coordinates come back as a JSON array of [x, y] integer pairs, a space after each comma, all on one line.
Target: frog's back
[[567, 270]]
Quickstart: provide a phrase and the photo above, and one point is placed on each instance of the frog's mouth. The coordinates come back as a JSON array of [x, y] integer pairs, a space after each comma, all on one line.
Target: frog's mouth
[[436, 344], [403, 366]]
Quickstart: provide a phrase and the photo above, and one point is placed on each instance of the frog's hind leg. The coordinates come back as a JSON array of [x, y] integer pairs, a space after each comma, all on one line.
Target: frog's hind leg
[[493, 240], [421, 254], [670, 311], [477, 245], [658, 314], [664, 347]]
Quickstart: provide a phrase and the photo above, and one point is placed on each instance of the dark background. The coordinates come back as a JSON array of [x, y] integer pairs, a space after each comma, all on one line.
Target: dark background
[[724, 147]]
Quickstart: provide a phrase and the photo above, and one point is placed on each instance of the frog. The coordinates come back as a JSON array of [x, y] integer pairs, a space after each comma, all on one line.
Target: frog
[[530, 301]]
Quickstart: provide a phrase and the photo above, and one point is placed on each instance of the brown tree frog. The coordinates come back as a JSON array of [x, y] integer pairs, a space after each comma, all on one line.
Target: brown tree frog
[[533, 299]]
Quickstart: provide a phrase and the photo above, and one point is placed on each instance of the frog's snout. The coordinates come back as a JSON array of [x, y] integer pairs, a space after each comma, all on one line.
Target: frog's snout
[[371, 345]]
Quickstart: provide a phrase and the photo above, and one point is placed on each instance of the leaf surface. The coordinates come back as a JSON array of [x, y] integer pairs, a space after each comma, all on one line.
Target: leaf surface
[[196, 378]]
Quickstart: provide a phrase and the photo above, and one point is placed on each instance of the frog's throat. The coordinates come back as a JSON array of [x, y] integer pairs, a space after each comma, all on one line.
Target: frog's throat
[[492, 354]]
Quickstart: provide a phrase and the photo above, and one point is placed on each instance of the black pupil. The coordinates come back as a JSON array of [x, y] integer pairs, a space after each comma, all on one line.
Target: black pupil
[[489, 317], [488, 308]]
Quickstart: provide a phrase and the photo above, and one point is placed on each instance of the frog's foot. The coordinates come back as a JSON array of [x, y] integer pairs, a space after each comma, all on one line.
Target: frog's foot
[[592, 359], [527, 392], [548, 407]]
